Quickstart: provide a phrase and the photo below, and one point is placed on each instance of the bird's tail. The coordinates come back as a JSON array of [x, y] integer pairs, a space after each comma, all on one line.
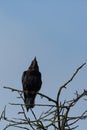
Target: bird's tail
[[29, 102]]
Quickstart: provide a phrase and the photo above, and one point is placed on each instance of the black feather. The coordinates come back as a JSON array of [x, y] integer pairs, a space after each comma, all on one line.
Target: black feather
[[31, 81]]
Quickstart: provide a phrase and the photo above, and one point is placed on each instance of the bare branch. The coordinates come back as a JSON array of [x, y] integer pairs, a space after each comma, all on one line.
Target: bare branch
[[65, 84], [56, 114], [42, 95]]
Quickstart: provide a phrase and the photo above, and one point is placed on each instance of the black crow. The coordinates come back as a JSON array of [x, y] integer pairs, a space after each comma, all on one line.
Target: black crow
[[31, 81]]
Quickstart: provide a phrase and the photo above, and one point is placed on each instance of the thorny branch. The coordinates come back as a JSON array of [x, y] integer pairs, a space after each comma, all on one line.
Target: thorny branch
[[55, 116]]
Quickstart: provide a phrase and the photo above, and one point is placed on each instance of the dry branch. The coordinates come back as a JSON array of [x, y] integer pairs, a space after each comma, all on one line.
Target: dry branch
[[56, 116]]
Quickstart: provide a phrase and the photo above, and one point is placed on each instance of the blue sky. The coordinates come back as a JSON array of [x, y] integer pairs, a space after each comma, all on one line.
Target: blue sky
[[53, 31]]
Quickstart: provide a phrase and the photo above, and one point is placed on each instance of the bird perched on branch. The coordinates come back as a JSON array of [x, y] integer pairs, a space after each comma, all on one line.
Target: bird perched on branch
[[31, 81]]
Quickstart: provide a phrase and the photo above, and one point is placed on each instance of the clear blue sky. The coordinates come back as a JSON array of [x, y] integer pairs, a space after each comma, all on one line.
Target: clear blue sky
[[53, 31]]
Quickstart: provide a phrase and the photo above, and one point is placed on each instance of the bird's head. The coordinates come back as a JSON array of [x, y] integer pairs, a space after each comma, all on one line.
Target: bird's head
[[34, 65]]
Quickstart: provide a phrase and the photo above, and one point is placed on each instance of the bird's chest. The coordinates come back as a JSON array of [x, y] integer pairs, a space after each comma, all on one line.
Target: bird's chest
[[32, 80]]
